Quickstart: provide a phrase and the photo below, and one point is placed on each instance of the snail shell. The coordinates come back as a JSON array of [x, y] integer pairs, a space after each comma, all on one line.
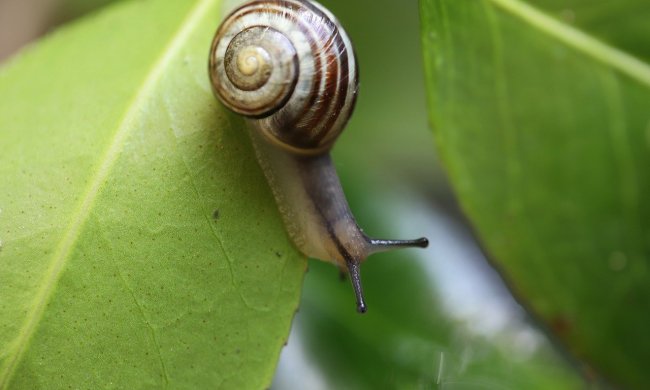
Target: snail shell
[[290, 67]]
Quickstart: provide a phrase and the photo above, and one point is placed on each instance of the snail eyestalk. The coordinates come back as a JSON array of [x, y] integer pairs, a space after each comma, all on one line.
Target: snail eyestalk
[[355, 278], [386, 245]]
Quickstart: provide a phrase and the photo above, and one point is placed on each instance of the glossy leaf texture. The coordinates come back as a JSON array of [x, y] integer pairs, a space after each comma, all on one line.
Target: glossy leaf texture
[[540, 112], [141, 246]]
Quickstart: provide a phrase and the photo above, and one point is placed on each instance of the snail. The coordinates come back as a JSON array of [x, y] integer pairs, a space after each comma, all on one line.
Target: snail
[[289, 68]]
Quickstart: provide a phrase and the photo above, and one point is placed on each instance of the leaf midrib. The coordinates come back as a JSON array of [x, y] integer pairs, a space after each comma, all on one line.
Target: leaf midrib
[[67, 242], [577, 39]]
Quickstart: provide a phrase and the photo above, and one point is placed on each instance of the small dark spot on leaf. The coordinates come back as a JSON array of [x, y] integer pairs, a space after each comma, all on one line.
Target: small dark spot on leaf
[[215, 214]]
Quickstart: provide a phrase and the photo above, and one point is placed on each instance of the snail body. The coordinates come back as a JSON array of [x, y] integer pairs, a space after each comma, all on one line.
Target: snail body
[[290, 69]]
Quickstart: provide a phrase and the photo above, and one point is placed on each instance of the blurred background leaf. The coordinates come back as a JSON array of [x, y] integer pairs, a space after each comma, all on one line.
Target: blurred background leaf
[[540, 109]]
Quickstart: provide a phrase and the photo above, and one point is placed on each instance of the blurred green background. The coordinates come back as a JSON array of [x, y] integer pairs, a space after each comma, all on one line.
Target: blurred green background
[[439, 318]]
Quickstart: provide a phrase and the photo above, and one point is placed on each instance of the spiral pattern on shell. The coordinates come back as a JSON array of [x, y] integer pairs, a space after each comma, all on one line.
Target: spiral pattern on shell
[[288, 66]]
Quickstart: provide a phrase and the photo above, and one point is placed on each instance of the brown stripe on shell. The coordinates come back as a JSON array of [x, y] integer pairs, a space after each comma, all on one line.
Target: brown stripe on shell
[[341, 89], [342, 81], [304, 126], [298, 128], [288, 118], [312, 119], [298, 134], [316, 123]]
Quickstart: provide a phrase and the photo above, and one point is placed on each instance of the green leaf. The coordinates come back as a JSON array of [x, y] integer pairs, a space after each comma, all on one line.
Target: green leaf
[[141, 246], [540, 111]]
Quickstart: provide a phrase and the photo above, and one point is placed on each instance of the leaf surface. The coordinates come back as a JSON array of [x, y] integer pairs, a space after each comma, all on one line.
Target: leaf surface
[[540, 111], [140, 245]]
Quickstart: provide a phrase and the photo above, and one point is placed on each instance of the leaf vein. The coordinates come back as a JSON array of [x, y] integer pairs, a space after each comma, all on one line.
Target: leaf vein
[[147, 323], [579, 40], [623, 151], [213, 229]]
